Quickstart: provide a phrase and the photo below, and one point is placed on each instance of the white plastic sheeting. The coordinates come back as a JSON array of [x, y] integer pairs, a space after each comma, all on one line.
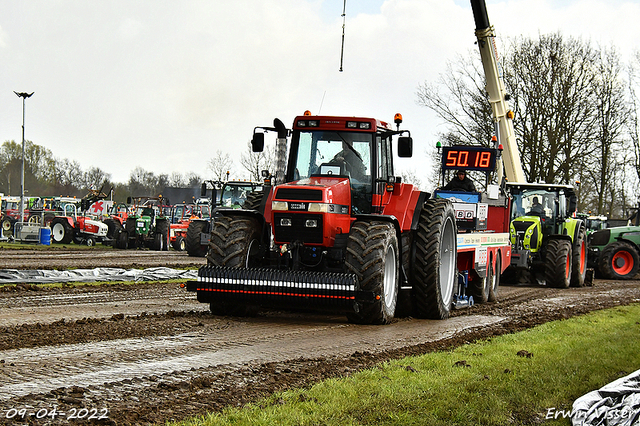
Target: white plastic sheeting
[[617, 403], [14, 276]]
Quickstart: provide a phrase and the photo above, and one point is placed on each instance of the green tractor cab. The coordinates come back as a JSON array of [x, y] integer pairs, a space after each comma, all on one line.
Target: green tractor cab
[[548, 243]]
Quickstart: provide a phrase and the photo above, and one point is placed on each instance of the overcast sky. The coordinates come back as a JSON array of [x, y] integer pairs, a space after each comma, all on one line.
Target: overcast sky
[[164, 84]]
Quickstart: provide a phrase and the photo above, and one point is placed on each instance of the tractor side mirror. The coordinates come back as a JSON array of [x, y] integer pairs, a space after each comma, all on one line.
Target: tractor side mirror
[[405, 146], [573, 203], [257, 142], [203, 190], [129, 200]]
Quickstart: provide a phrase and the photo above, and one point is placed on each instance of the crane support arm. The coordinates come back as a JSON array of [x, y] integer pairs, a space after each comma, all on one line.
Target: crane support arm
[[502, 115]]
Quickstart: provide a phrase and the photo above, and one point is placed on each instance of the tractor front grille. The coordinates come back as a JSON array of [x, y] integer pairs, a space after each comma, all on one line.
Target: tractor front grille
[[299, 228], [298, 194]]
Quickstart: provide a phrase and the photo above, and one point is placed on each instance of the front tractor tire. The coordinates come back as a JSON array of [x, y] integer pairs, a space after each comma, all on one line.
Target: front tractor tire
[[61, 231], [234, 243], [372, 255], [619, 261], [558, 263], [434, 273], [579, 259]]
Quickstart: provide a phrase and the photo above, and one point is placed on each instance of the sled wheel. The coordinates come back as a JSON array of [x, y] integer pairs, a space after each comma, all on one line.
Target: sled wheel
[[495, 279]]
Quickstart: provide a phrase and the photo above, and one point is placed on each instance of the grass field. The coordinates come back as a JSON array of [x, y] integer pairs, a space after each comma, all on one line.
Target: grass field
[[518, 379]]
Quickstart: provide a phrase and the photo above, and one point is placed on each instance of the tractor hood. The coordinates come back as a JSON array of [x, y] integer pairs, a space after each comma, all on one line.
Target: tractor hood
[[313, 211], [526, 233], [319, 189]]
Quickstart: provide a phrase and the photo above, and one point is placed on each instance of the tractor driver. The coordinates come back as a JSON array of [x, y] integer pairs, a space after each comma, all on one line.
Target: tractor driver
[[460, 182], [350, 161], [536, 208]]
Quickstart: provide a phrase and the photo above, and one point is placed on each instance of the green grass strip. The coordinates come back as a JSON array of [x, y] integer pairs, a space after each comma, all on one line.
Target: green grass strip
[[485, 383]]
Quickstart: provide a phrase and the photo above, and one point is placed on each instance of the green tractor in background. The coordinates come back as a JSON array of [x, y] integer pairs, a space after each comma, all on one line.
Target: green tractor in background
[[146, 226], [615, 252], [548, 243]]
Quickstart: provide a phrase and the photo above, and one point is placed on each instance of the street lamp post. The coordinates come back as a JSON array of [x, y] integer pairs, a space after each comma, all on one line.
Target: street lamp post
[[24, 96]]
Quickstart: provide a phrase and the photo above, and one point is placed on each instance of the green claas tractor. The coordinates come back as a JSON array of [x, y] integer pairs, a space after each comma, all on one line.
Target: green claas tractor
[[615, 252], [548, 243], [145, 227]]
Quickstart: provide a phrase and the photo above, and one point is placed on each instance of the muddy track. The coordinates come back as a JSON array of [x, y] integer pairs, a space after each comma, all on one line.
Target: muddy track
[[149, 353]]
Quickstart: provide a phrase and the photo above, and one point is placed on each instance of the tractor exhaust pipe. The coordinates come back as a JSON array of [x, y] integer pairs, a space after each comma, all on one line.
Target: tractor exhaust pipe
[[480, 15]]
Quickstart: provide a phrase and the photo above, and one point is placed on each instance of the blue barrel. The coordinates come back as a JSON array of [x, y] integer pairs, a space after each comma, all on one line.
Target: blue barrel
[[45, 236]]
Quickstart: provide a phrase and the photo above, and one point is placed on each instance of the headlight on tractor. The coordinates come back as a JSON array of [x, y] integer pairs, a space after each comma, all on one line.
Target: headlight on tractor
[[279, 206]]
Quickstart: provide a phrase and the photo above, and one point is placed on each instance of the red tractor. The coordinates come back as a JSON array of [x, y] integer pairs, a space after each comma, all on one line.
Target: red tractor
[[79, 228], [339, 230], [182, 215]]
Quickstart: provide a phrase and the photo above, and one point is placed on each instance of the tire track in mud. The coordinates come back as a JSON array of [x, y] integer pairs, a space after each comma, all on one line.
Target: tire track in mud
[[41, 370], [220, 361]]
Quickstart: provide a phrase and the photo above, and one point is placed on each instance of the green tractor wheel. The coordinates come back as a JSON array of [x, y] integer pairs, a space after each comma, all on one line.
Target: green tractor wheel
[[619, 260]]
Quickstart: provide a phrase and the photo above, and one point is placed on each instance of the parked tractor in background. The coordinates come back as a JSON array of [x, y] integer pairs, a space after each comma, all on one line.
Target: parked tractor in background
[[228, 194], [79, 228], [549, 244], [181, 217], [615, 252], [146, 226], [116, 220]]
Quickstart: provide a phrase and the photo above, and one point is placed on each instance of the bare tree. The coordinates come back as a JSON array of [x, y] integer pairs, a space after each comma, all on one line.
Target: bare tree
[[569, 110], [255, 162], [220, 165]]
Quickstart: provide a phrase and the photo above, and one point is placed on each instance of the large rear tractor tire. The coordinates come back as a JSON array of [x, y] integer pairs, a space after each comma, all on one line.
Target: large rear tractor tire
[[372, 254], [619, 261], [194, 248], [112, 225], [579, 259], [130, 228], [480, 289], [235, 243], [161, 236], [558, 263], [121, 239], [61, 231], [7, 226], [434, 275]]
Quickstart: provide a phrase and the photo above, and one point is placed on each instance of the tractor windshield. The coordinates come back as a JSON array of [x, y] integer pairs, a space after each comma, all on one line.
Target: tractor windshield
[[534, 202], [234, 195], [334, 153]]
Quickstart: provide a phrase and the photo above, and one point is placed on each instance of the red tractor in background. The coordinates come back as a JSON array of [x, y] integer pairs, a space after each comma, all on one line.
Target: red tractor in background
[[181, 217], [79, 228]]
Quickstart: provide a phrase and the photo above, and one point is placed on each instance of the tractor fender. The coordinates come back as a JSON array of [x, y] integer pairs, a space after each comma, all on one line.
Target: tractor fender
[[69, 220], [572, 228]]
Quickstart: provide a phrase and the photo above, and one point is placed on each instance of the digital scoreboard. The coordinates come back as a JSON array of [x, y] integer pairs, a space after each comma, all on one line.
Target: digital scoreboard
[[468, 158]]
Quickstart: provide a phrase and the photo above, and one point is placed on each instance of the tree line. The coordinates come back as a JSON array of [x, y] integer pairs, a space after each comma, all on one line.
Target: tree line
[[575, 115], [46, 175]]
